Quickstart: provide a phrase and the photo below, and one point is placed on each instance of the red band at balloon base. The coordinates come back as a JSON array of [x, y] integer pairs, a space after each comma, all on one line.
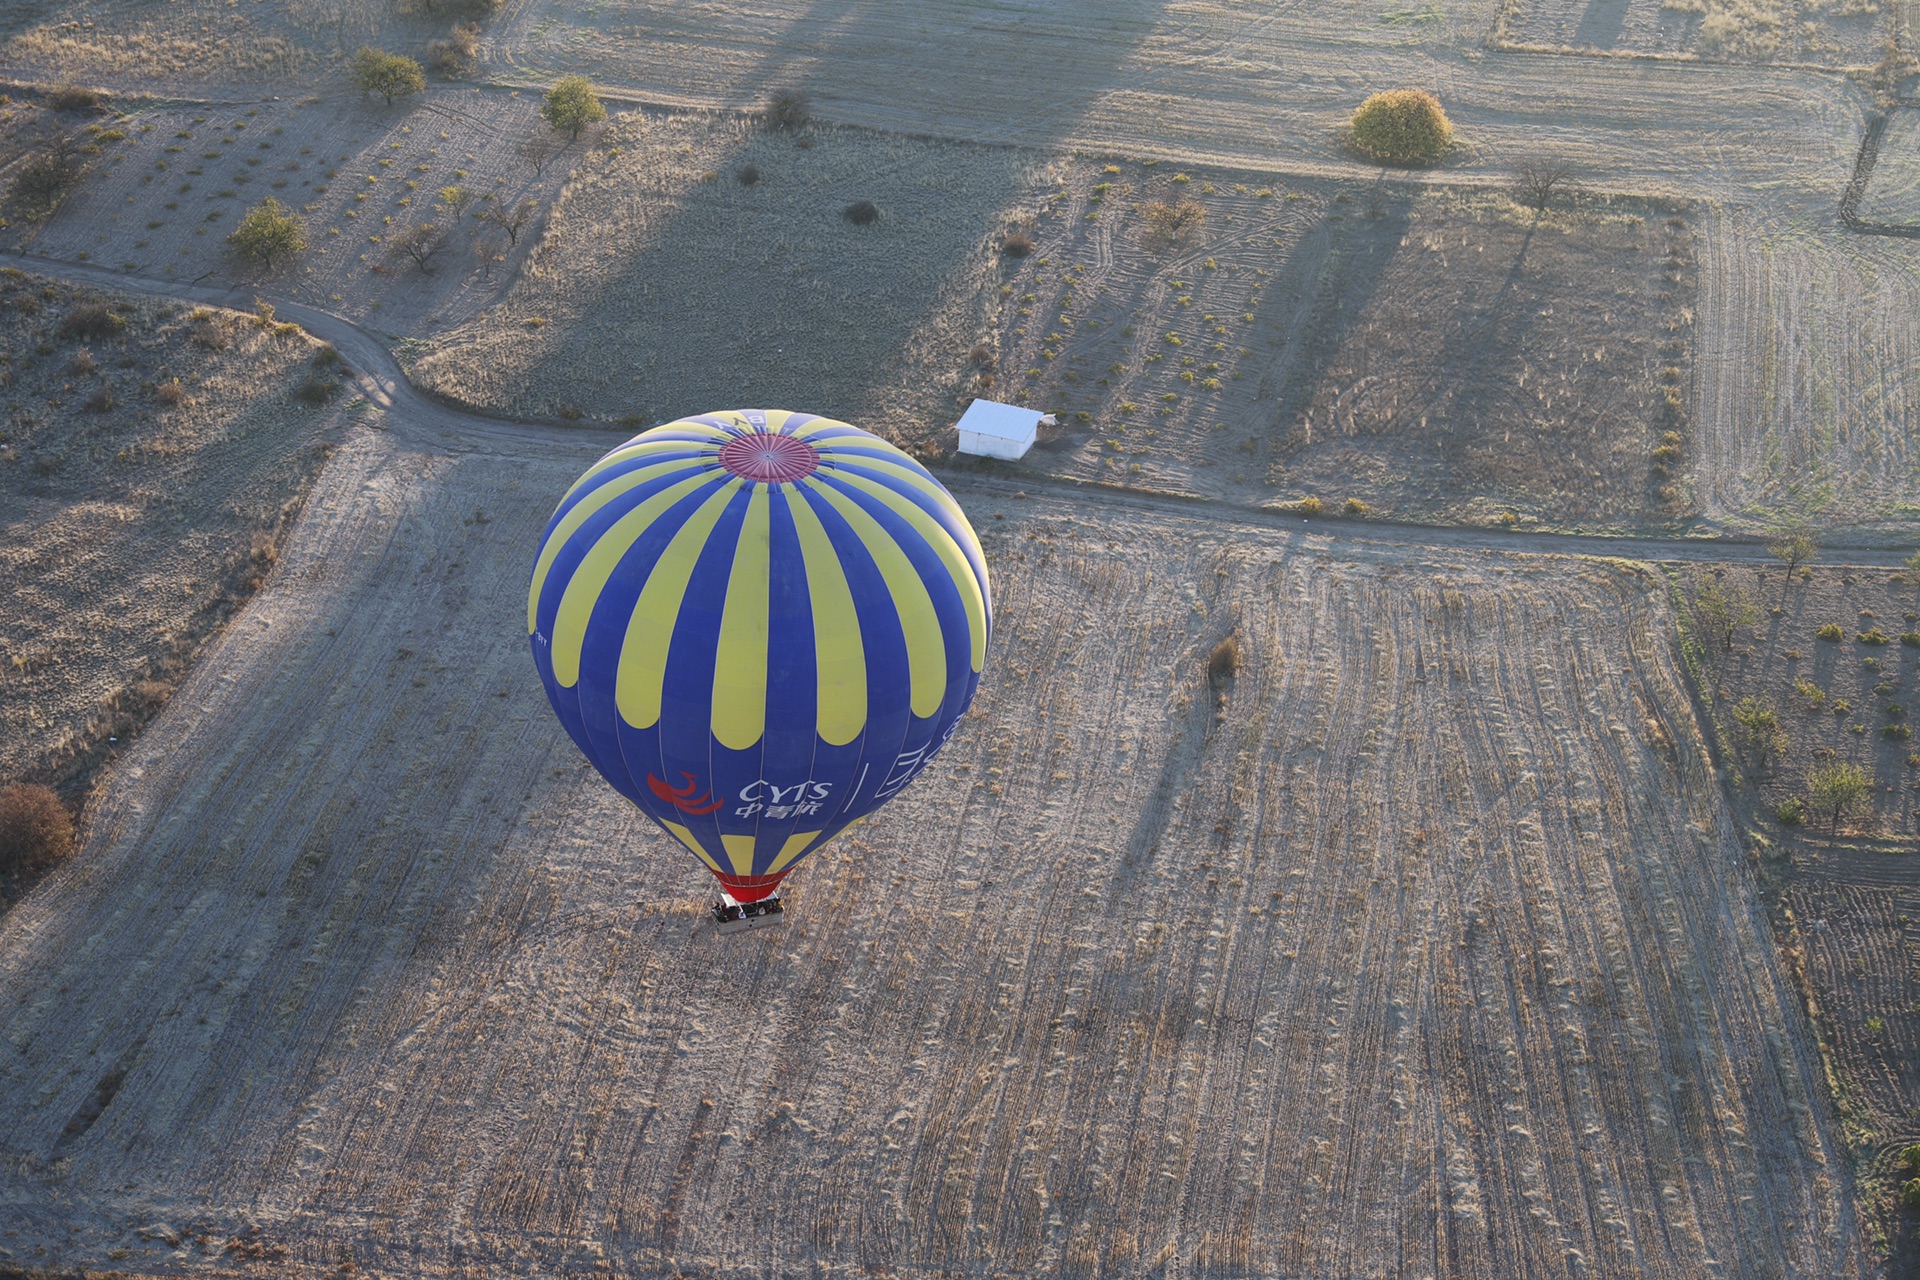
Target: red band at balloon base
[[750, 888]]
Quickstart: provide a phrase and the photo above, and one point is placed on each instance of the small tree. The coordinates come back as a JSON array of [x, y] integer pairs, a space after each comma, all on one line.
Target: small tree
[[510, 218], [1535, 183], [391, 75], [419, 242], [1760, 728], [1168, 221], [1401, 127], [537, 151], [45, 179], [1795, 545], [1838, 788], [1723, 610], [455, 200], [268, 232], [36, 830], [789, 109], [572, 105]]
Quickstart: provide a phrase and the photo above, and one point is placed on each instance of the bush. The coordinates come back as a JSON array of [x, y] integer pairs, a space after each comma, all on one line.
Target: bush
[[749, 175], [454, 55], [317, 390], [1309, 506], [1790, 812], [789, 109], [1910, 1194], [1223, 664], [46, 177], [1018, 244], [208, 331], [861, 212], [100, 401], [83, 361], [1872, 635], [1170, 220], [170, 392], [1831, 631], [1355, 507], [1401, 127], [71, 97], [36, 831], [92, 321], [981, 357]]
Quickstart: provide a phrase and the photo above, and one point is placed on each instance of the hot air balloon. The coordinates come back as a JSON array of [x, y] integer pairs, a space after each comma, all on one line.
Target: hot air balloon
[[759, 626]]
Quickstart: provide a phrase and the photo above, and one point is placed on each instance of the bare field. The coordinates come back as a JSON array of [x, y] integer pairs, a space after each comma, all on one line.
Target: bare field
[[1422, 946], [131, 527], [163, 199], [665, 283], [1836, 33]]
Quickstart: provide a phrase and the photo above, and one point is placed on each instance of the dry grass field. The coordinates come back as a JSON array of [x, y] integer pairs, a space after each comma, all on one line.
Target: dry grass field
[[1833, 33], [1421, 944], [148, 470]]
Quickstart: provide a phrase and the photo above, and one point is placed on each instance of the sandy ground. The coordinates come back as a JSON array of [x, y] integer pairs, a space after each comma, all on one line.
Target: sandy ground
[[1422, 948], [129, 528]]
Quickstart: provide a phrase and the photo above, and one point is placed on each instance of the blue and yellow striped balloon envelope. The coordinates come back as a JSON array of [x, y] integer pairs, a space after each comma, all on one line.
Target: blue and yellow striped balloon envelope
[[759, 626]]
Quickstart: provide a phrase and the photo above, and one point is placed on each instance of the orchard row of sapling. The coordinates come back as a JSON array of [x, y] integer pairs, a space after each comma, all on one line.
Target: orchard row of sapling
[[1835, 789]]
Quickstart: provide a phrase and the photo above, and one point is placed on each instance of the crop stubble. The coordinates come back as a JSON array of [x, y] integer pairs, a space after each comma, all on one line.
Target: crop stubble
[[1421, 945]]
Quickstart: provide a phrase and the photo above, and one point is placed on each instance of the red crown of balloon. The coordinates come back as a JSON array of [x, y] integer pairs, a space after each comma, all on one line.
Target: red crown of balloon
[[769, 459]]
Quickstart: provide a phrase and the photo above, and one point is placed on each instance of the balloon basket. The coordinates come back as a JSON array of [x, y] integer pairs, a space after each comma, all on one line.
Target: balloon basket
[[733, 916]]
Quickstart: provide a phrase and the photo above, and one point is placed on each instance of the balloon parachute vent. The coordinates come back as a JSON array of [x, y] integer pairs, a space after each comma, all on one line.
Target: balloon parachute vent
[[767, 458], [730, 915]]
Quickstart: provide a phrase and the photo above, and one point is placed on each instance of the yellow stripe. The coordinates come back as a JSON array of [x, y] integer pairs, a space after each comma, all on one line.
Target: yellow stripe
[[590, 577], [949, 552], [816, 426], [740, 853], [790, 851], [640, 448], [776, 419], [685, 837], [584, 511], [931, 488], [642, 671], [926, 646], [839, 654], [740, 663]]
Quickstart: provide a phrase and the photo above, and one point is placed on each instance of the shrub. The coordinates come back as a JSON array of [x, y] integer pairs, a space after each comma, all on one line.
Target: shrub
[[46, 177], [1355, 507], [1898, 732], [209, 331], [1910, 1194], [1790, 812], [861, 212], [83, 361], [100, 401], [1831, 631], [71, 97], [92, 321], [1401, 127], [1309, 506], [317, 390], [36, 831], [1872, 635], [1168, 221], [749, 175], [391, 75], [1018, 244], [1910, 1158], [572, 105], [170, 392], [1837, 788], [326, 357], [1223, 664], [453, 55], [789, 109]]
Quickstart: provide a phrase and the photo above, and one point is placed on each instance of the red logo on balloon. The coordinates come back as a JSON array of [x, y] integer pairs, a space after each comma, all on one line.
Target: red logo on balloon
[[682, 798]]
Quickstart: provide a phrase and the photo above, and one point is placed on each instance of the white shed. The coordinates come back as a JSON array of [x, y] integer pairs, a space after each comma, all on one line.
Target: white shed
[[992, 430]]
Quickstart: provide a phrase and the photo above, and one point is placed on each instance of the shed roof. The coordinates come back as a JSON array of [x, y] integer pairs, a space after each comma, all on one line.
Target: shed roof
[[1006, 421]]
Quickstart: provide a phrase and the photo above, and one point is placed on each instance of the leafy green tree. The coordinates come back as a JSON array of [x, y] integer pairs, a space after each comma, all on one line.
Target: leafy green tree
[[1795, 545], [572, 105], [1760, 728], [268, 232], [391, 75], [1838, 788], [1722, 610]]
